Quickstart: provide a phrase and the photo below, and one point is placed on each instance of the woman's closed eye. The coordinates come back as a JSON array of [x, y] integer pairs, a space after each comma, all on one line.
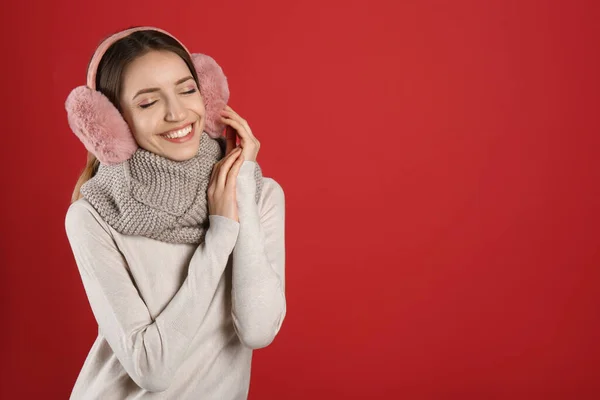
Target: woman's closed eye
[[191, 91]]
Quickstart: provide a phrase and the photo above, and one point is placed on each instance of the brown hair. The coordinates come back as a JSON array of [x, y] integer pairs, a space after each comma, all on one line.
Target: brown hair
[[110, 70]]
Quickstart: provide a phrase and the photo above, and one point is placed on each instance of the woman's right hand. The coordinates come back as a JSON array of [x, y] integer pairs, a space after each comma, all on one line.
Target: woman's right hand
[[221, 188]]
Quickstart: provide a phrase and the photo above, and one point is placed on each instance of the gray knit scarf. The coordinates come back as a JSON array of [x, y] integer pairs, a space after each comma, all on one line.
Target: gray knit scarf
[[153, 196]]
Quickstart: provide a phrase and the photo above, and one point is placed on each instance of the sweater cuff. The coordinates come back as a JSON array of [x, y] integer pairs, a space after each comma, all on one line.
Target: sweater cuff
[[247, 170], [225, 230]]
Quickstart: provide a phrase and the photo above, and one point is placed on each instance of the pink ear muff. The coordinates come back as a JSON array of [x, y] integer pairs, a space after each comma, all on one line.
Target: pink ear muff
[[103, 131], [99, 126], [214, 90]]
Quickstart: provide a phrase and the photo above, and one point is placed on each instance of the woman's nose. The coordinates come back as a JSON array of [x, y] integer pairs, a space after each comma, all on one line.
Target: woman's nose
[[175, 111]]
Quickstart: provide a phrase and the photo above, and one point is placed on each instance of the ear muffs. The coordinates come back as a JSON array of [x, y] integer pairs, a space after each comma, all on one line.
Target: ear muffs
[[104, 132]]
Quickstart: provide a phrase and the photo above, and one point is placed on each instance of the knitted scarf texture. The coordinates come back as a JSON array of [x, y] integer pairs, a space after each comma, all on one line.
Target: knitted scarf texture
[[152, 196]]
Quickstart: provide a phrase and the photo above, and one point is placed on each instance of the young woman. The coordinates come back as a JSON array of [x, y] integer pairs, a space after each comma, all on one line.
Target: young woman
[[178, 237]]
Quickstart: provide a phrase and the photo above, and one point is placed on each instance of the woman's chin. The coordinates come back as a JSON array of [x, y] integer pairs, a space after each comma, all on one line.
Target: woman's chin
[[182, 154], [180, 151]]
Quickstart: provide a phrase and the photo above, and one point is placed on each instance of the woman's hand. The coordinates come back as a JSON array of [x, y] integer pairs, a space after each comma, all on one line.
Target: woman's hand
[[236, 124], [221, 188]]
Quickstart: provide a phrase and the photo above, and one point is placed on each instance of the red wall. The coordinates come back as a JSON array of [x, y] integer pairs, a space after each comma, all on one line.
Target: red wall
[[439, 160]]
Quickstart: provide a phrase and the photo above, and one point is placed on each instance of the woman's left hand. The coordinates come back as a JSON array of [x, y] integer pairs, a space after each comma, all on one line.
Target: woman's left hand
[[236, 124]]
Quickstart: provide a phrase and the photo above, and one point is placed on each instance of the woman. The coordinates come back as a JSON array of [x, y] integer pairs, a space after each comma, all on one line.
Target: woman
[[178, 238]]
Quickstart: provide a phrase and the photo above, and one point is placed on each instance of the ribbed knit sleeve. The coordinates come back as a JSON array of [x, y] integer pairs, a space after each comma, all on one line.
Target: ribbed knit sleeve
[[258, 290], [150, 350]]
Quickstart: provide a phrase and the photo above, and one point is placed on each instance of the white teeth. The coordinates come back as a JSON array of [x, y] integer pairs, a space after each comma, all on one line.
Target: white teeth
[[180, 133]]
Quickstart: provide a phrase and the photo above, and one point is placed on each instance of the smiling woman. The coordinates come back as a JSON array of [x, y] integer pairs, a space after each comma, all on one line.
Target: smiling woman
[[178, 238]]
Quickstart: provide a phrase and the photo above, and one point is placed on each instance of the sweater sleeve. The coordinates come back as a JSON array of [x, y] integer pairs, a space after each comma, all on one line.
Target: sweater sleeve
[[258, 287], [149, 350]]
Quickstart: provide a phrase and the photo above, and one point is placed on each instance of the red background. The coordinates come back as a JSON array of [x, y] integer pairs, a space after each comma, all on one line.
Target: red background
[[439, 160]]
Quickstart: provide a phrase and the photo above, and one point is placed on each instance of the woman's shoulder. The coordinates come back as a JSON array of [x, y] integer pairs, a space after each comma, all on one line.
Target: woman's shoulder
[[271, 184], [272, 193], [81, 217], [80, 209]]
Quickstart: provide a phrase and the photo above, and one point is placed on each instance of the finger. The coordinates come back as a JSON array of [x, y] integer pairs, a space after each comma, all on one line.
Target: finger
[[224, 168], [236, 165], [234, 171], [241, 130], [214, 172], [230, 113], [246, 137], [230, 135]]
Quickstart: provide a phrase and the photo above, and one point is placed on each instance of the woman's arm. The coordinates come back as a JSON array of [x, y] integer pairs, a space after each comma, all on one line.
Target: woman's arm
[[258, 289], [149, 350]]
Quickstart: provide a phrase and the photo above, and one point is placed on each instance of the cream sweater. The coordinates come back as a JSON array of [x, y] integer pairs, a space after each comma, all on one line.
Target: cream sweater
[[179, 321]]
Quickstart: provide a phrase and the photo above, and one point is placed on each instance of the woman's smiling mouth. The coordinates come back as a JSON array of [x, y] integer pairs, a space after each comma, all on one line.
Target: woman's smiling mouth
[[180, 135]]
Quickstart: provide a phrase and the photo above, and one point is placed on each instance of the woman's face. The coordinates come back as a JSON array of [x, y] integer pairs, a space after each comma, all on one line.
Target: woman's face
[[159, 97]]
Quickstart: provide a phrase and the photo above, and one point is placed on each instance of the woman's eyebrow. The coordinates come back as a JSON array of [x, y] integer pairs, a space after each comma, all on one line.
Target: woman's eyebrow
[[150, 90]]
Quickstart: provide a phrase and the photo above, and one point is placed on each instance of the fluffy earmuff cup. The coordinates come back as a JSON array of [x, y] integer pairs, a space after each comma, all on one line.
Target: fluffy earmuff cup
[[214, 91], [99, 126]]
